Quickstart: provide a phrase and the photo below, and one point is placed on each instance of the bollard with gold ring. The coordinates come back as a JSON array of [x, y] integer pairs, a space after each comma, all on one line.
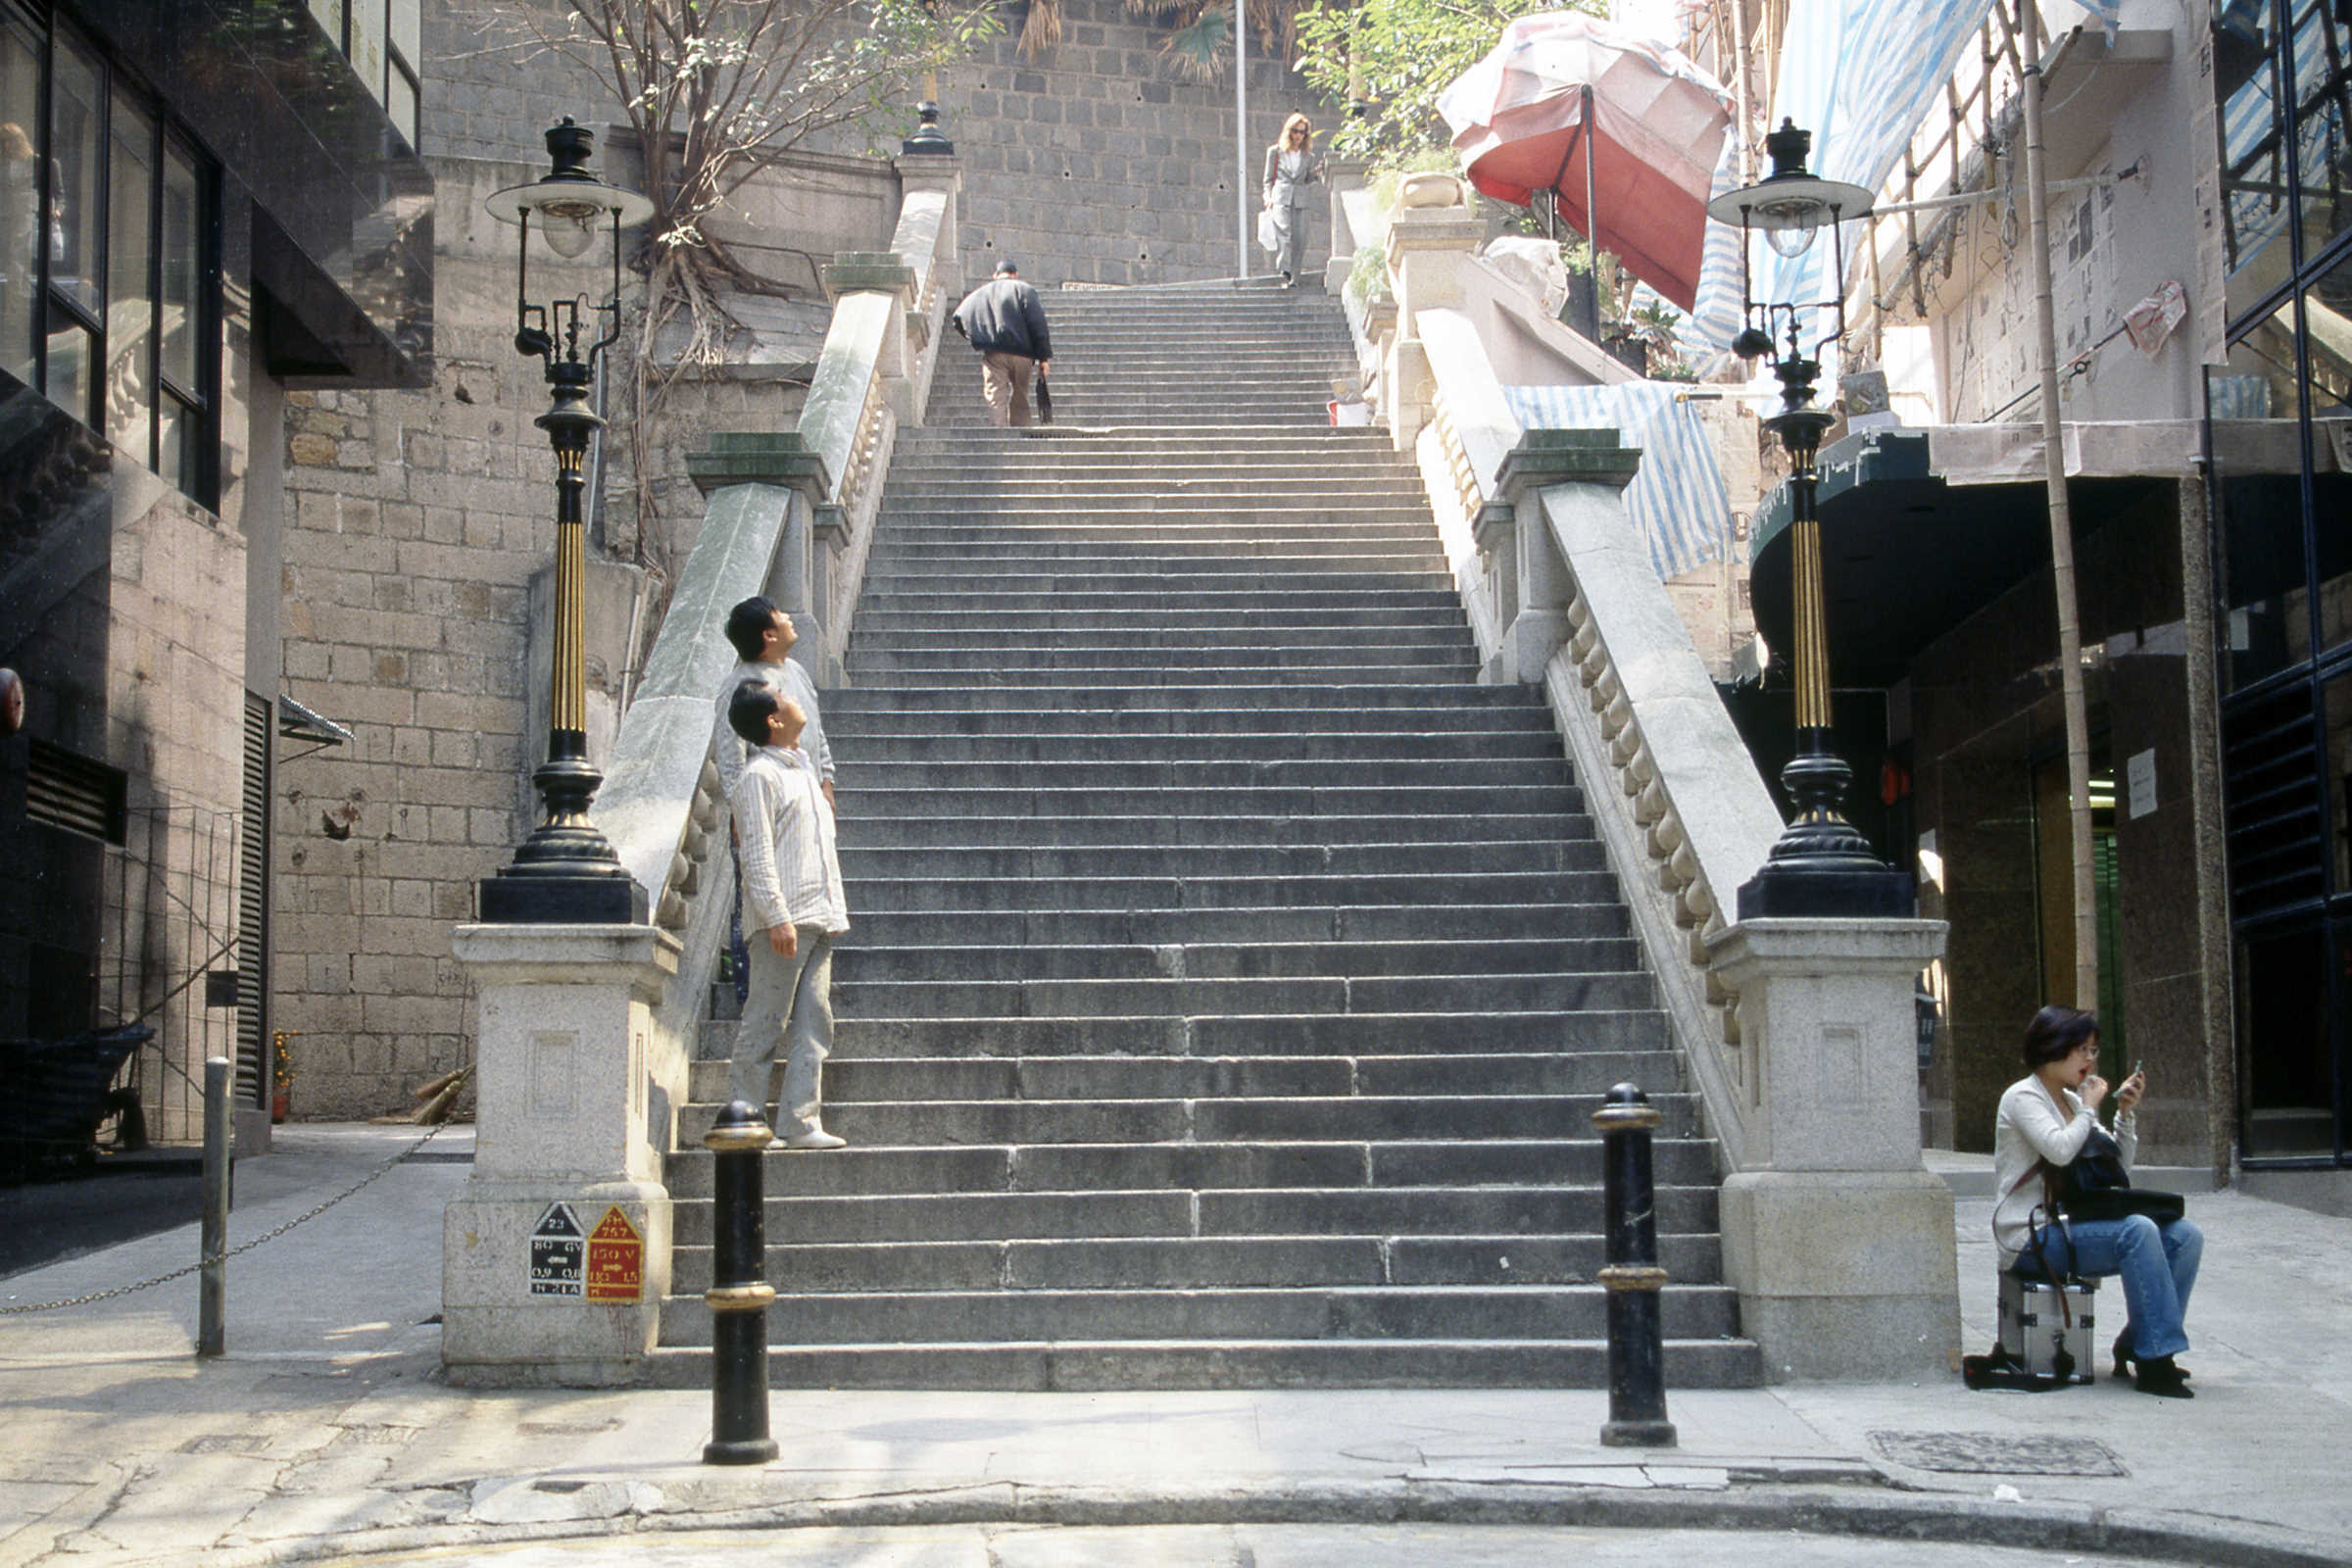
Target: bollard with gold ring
[[1632, 1278]]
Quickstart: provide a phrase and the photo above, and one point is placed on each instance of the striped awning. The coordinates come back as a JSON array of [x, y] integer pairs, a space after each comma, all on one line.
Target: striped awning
[[1677, 500]]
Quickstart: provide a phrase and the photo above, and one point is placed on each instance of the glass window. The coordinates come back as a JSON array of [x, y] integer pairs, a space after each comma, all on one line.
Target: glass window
[[2328, 394], [130, 281], [400, 103], [2335, 704], [330, 17], [405, 29], [176, 437], [368, 44], [2289, 1077], [182, 257], [2323, 81], [2254, 181], [72, 380], [77, 120], [24, 226], [2257, 504]]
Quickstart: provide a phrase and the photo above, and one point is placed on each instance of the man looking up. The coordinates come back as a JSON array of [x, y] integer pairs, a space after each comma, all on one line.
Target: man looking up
[[762, 637], [1006, 320], [792, 907]]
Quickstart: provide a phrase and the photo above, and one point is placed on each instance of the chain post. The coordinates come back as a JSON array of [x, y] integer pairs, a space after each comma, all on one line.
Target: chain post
[[1633, 1277], [212, 1247], [739, 1292]]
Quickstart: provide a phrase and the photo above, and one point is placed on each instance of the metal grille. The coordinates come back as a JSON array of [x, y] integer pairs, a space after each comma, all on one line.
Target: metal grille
[[73, 793], [2277, 827], [253, 909], [171, 910]]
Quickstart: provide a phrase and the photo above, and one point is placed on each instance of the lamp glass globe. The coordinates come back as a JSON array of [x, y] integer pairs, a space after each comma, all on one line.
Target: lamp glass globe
[[570, 227]]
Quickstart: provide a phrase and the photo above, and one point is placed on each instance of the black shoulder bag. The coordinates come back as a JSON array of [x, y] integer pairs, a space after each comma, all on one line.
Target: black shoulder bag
[[2094, 1186]]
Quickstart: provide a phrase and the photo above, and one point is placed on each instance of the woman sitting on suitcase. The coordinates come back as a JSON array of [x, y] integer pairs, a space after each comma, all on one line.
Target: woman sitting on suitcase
[[2044, 1120]]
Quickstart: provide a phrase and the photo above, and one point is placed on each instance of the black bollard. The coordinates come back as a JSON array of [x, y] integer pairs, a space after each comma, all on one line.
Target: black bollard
[[1633, 1277], [739, 1292]]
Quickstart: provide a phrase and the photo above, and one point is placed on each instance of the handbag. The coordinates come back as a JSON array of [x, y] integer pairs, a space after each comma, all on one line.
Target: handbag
[[2094, 1186], [1270, 238], [1044, 401]]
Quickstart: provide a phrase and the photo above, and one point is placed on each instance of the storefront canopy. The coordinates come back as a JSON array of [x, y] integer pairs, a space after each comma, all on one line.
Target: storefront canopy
[[1921, 529]]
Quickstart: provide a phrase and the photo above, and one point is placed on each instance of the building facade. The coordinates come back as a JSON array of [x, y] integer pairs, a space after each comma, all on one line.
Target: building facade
[[2278, 440], [207, 209]]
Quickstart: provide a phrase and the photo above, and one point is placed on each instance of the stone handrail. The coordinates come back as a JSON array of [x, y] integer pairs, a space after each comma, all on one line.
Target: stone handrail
[[1560, 590], [790, 513]]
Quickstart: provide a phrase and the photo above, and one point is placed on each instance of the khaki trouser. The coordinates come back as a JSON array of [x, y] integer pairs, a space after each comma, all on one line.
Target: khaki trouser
[[791, 1005], [1004, 382]]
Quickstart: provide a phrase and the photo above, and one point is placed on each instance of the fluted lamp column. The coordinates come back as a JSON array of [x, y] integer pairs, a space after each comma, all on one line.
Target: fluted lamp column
[[566, 871], [1820, 865]]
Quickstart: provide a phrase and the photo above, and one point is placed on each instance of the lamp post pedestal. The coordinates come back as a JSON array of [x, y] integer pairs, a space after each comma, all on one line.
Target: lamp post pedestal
[[1840, 1242], [556, 1256]]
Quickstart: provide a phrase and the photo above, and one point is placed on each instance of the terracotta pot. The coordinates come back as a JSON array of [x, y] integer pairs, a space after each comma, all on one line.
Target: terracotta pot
[[1431, 190]]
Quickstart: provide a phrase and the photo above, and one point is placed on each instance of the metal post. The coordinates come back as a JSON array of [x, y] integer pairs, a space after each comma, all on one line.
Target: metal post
[[739, 1292], [1592, 220], [1633, 1277], [211, 1274], [1244, 184]]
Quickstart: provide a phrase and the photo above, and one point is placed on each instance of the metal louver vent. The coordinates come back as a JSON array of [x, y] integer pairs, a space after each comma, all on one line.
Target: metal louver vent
[[2277, 830], [253, 909], [73, 793]]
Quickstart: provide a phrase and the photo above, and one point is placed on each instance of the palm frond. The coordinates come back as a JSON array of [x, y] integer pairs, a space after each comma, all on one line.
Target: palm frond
[[1042, 29], [1198, 50]]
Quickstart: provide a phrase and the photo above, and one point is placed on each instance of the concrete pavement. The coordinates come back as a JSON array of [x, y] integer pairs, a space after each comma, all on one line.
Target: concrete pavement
[[328, 1433]]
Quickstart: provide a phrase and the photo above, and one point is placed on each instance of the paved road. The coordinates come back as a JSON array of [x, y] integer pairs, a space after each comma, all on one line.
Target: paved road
[[1234, 1547], [329, 1430]]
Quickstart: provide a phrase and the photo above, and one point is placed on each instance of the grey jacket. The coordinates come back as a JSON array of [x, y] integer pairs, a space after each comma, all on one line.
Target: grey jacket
[[1312, 174]]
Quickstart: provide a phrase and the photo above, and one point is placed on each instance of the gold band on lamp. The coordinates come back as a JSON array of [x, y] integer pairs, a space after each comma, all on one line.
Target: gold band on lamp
[[1633, 1277], [739, 1297]]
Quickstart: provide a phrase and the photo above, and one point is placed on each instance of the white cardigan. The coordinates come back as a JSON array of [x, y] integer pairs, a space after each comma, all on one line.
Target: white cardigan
[[2033, 1128]]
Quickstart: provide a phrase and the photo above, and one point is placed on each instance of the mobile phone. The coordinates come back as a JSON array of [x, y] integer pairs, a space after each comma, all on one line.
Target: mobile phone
[[2137, 1065]]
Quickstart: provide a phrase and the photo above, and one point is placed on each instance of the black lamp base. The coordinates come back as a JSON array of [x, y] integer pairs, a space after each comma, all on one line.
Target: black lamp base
[[516, 896], [1859, 888]]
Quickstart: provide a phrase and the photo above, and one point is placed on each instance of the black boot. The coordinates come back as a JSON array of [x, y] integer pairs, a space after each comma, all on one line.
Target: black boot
[[2124, 1358], [2158, 1376]]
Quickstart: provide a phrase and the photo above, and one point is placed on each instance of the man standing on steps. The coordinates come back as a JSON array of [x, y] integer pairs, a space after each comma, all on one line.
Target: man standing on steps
[[762, 637], [1006, 320], [793, 905]]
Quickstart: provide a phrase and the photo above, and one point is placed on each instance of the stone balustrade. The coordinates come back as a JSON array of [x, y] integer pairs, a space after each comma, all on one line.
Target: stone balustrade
[[1798, 1034]]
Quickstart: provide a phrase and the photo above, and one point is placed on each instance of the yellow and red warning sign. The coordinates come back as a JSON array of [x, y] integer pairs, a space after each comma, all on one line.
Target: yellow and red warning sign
[[616, 1259]]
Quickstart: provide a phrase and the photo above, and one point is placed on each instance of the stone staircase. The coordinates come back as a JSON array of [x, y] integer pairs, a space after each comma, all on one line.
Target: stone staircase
[[1233, 978]]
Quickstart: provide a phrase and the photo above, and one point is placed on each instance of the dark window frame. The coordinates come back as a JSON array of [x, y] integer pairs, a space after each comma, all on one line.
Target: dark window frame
[[199, 480]]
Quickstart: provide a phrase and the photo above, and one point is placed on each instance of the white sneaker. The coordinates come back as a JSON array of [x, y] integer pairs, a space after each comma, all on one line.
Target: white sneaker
[[815, 1138]]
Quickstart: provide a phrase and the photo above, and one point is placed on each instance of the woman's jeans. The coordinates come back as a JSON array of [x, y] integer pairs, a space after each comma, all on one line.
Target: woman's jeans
[[2158, 1268]]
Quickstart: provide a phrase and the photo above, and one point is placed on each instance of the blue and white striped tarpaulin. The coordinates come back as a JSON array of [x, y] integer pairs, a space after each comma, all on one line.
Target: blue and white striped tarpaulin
[[1677, 501], [1859, 75]]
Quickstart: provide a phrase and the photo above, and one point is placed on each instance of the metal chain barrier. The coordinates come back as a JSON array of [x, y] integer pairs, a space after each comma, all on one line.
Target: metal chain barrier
[[246, 1247]]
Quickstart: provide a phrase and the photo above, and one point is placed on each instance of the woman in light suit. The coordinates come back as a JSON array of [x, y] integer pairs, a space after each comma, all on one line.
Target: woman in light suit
[[1290, 169]]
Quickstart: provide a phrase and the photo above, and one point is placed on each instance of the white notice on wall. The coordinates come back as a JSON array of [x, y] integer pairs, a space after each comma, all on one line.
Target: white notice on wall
[[2139, 783]]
